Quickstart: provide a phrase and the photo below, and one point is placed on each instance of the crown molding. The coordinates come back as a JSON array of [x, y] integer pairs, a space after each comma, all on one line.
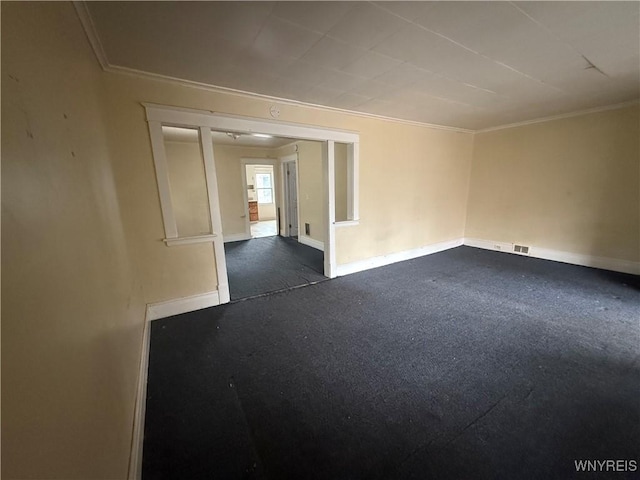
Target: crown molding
[[280, 100], [92, 35], [577, 113], [94, 39], [286, 101], [96, 44]]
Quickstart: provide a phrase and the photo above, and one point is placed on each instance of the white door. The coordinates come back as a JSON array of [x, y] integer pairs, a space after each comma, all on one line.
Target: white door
[[292, 198]]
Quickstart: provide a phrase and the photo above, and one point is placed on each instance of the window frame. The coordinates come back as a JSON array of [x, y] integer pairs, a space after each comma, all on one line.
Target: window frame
[[271, 189]]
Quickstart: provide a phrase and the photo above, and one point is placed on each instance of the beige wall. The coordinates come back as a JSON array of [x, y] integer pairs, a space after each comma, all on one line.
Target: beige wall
[[310, 189], [413, 190], [250, 173], [569, 185], [72, 301]]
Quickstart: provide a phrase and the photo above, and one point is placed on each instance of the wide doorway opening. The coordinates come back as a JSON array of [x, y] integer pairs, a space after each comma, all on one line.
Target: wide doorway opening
[[261, 200], [303, 178], [272, 219]]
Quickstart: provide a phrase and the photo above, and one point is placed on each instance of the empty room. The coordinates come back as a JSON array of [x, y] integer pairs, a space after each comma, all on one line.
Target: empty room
[[320, 240]]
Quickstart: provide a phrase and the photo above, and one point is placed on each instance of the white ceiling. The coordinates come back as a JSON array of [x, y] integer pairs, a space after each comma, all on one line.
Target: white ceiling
[[470, 65], [190, 135]]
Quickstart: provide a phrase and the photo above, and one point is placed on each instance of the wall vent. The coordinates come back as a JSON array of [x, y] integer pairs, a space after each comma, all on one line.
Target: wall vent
[[520, 249]]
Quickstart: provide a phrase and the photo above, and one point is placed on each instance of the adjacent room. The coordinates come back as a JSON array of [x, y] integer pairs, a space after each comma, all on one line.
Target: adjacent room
[[261, 194], [268, 185], [320, 240]]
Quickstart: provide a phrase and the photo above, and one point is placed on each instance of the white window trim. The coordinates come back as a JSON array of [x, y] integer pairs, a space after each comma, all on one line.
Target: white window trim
[[347, 223], [158, 115], [162, 176], [190, 240]]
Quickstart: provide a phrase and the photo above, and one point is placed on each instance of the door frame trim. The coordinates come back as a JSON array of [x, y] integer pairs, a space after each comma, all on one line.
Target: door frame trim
[[292, 158], [244, 161]]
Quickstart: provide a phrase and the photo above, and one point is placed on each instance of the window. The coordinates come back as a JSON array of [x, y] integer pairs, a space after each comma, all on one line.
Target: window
[[264, 184]]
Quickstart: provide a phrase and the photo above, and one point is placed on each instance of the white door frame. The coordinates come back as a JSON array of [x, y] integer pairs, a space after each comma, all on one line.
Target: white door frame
[[293, 158], [158, 115], [328, 174], [245, 196]]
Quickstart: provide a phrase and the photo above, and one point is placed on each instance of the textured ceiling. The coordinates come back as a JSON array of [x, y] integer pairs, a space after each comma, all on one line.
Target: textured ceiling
[[470, 65]]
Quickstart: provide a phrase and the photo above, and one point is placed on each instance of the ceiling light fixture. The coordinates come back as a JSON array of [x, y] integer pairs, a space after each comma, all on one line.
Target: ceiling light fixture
[[262, 135]]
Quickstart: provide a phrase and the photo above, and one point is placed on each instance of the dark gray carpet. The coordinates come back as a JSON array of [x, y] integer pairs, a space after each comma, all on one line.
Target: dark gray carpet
[[466, 364], [270, 264]]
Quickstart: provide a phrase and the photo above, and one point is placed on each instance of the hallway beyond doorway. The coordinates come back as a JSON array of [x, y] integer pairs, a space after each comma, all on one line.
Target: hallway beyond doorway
[[264, 265], [267, 228]]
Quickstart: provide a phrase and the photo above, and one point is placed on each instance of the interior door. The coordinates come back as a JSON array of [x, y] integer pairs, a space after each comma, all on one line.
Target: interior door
[[292, 198]]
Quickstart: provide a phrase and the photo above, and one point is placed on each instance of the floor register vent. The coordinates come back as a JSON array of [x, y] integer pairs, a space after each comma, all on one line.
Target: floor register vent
[[520, 249]]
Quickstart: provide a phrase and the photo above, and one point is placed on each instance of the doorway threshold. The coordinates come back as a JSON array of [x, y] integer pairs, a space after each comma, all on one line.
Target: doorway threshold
[[282, 290]]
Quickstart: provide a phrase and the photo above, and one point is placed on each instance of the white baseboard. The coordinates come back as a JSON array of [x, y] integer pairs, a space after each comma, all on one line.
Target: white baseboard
[[311, 242], [154, 312], [375, 262], [224, 294], [182, 305], [236, 237], [605, 263], [137, 441], [492, 245]]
